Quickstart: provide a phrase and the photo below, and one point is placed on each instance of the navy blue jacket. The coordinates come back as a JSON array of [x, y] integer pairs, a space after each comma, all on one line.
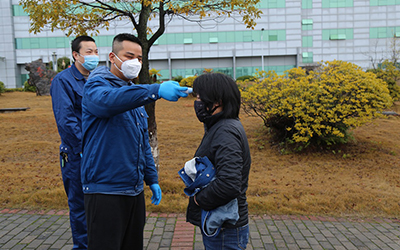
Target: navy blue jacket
[[66, 92], [116, 151]]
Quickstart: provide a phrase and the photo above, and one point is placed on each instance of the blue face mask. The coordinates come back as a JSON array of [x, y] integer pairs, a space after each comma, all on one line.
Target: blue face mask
[[91, 62]]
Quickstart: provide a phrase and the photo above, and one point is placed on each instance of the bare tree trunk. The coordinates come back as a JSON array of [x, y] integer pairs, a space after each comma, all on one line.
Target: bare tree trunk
[[145, 78], [150, 109]]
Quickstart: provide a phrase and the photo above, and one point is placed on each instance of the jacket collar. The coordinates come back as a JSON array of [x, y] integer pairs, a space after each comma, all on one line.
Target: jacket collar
[[210, 121], [104, 71], [76, 74]]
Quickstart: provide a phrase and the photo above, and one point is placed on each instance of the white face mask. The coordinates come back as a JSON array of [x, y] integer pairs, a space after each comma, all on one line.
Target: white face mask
[[129, 68]]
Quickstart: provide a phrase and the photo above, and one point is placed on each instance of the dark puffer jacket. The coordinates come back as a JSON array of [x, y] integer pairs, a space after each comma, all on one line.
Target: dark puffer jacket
[[225, 144]]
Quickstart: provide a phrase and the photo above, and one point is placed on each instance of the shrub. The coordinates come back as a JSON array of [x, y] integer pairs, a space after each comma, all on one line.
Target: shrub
[[246, 77], [62, 63], [389, 73], [177, 78], [14, 90], [317, 108], [2, 88], [187, 82], [28, 87]]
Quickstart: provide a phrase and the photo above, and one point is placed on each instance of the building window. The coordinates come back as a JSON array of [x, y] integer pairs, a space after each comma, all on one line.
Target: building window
[[272, 38], [338, 37], [307, 24], [306, 4], [337, 34], [18, 11], [188, 41], [307, 57], [271, 4], [307, 41], [337, 3], [213, 40], [383, 2]]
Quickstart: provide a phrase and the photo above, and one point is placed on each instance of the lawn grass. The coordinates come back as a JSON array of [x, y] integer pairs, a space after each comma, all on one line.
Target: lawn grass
[[360, 179]]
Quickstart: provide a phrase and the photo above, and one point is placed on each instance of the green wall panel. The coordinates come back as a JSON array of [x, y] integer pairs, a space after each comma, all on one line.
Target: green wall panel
[[271, 4], [18, 11], [337, 3], [306, 4], [166, 39], [307, 41], [383, 2], [383, 32]]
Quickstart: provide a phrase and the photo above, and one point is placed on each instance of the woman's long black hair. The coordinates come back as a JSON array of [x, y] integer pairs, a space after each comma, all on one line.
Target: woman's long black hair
[[218, 88]]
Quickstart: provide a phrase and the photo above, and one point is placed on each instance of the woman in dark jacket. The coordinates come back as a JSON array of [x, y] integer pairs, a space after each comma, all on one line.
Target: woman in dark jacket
[[226, 146]]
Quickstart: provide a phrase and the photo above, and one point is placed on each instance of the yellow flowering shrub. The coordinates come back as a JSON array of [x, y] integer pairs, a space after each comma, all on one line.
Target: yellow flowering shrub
[[316, 107], [187, 82], [390, 73]]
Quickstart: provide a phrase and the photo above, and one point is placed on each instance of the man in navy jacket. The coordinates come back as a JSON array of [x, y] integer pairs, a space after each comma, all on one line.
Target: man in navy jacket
[[117, 156], [66, 92]]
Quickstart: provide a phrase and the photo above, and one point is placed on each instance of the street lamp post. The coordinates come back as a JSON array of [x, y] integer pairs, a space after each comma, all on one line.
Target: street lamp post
[[262, 49], [54, 55]]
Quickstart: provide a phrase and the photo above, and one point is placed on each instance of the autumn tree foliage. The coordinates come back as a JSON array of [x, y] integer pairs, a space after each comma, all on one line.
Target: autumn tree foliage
[[88, 16], [318, 107]]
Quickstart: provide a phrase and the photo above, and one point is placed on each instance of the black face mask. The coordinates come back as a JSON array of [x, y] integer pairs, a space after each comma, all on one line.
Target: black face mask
[[201, 111]]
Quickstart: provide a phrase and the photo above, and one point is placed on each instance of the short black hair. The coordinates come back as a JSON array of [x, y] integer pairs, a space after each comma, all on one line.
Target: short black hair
[[118, 39], [76, 43], [219, 88]]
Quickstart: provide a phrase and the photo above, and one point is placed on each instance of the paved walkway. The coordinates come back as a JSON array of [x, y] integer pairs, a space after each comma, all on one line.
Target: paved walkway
[[22, 229]]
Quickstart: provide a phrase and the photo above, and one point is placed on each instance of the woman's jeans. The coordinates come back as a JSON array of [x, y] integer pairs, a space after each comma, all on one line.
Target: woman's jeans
[[228, 238]]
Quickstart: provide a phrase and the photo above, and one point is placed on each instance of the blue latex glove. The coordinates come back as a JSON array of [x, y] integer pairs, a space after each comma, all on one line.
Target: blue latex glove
[[171, 91], [156, 198]]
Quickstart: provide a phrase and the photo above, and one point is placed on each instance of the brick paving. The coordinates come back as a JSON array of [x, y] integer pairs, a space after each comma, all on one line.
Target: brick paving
[[23, 229]]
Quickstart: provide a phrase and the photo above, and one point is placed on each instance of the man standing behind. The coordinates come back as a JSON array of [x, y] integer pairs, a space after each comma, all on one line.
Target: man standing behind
[[66, 91], [117, 155]]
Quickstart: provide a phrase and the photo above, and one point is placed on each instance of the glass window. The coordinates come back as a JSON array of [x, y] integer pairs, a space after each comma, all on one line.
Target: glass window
[[306, 4], [335, 34], [230, 37], [307, 41], [197, 37], [307, 24], [26, 43], [382, 32], [383, 2], [188, 41], [373, 33], [213, 40], [102, 41], [239, 37], [272, 38], [338, 37], [307, 21], [18, 43], [269, 4], [61, 42], [222, 37], [337, 3], [179, 38], [307, 57], [18, 11]]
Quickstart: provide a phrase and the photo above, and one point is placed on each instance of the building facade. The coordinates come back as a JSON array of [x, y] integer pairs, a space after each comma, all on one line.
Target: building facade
[[289, 34]]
